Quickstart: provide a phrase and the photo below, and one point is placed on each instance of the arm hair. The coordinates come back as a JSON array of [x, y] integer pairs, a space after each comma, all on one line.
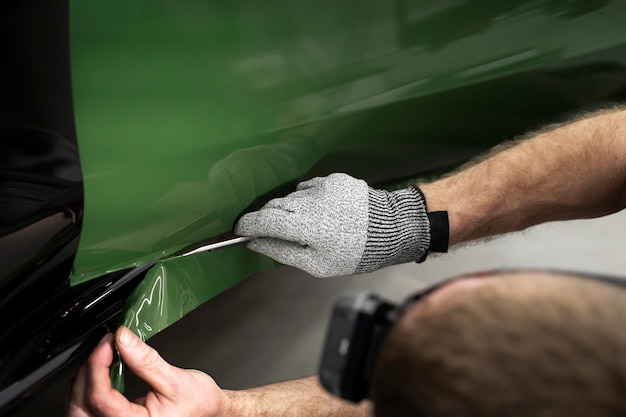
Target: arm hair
[[567, 171]]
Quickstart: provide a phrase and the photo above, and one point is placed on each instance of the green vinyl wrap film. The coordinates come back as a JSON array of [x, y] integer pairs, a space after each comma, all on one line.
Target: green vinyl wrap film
[[189, 113], [173, 288]]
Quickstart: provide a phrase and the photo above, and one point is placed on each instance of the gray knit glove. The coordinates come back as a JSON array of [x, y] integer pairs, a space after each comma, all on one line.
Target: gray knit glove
[[338, 225]]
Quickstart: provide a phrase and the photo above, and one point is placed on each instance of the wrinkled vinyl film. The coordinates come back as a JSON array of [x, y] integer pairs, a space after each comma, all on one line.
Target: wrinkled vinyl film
[[172, 289]]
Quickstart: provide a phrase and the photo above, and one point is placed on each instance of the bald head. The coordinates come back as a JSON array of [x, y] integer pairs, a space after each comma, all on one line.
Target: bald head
[[507, 345]]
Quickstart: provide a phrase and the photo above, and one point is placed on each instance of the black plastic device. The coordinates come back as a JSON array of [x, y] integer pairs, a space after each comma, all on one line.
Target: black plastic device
[[359, 324]]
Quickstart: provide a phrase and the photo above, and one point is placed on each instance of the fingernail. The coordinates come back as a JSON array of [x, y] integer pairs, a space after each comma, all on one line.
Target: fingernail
[[128, 338], [105, 339]]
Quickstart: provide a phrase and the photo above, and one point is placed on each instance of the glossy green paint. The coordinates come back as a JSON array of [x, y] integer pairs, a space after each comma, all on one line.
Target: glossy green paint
[[179, 104], [189, 113]]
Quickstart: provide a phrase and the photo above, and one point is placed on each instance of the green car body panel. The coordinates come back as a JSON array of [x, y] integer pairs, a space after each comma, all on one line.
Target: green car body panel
[[190, 113]]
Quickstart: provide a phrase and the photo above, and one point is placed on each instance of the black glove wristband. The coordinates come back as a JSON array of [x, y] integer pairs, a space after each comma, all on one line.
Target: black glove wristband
[[439, 229]]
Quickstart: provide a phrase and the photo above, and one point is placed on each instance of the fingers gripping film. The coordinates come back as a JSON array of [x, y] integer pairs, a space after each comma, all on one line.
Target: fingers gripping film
[[144, 361]]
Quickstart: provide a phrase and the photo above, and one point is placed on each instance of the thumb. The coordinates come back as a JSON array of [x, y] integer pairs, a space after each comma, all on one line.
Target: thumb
[[144, 361]]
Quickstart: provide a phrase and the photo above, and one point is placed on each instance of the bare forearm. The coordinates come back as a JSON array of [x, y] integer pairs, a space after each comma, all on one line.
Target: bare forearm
[[574, 171], [302, 397]]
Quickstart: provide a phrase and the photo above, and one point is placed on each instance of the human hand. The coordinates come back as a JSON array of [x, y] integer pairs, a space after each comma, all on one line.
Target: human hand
[[174, 391], [338, 225]]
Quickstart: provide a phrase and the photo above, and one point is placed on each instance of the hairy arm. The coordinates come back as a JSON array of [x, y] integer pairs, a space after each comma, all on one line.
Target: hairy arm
[[187, 392], [301, 397], [574, 171]]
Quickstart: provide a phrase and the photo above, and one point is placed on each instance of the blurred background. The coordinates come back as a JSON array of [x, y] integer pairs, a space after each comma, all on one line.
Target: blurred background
[[271, 327]]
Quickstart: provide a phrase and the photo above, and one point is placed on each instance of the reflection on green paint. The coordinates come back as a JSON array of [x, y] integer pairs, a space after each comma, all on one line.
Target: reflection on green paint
[[190, 211], [166, 92], [173, 288]]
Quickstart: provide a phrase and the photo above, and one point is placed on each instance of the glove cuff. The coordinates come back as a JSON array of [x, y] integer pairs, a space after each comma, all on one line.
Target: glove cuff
[[398, 229], [439, 229]]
